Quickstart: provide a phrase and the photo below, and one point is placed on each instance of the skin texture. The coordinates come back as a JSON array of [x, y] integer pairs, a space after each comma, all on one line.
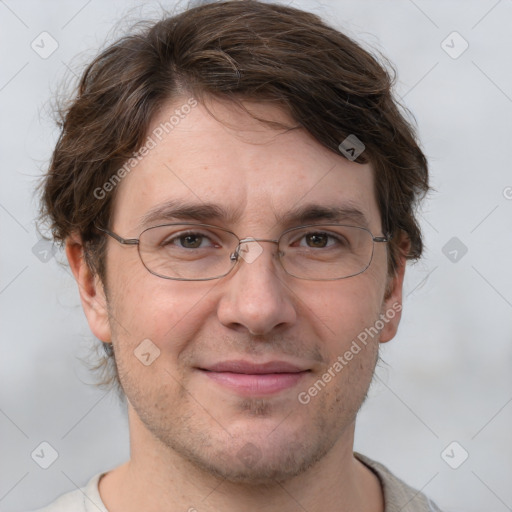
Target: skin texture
[[188, 432]]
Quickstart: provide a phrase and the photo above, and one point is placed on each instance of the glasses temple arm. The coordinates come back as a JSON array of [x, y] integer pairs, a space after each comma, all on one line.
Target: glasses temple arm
[[121, 240]]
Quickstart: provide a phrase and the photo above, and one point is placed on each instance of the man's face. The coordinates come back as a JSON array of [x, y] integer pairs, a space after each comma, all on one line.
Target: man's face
[[257, 314]]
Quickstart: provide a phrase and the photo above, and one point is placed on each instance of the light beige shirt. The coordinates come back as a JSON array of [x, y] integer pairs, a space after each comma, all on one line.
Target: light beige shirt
[[398, 496]]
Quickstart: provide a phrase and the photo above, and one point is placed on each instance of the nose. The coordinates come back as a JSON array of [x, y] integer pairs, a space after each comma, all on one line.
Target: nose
[[256, 294]]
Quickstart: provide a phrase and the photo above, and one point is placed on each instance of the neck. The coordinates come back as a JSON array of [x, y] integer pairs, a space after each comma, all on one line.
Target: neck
[[157, 478]]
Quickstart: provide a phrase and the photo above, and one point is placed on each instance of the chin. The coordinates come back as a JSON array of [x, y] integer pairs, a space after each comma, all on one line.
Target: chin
[[257, 452], [257, 465]]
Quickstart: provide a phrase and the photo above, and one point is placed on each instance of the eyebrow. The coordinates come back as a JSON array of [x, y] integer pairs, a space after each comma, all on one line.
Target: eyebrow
[[179, 210], [304, 214], [175, 210]]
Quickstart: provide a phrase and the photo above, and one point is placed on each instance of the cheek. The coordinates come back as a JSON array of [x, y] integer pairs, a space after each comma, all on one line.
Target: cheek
[[153, 323], [344, 309], [164, 311]]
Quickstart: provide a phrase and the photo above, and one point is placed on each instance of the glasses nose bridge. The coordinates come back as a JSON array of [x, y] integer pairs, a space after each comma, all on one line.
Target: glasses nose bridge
[[236, 254], [251, 239]]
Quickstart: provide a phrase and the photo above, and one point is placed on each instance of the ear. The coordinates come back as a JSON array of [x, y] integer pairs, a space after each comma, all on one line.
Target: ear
[[92, 293], [392, 305]]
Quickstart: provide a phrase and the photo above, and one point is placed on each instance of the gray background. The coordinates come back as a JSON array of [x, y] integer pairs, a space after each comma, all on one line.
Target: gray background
[[447, 375]]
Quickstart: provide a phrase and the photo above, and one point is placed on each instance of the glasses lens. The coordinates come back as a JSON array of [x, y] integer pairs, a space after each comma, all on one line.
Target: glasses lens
[[187, 251], [325, 252]]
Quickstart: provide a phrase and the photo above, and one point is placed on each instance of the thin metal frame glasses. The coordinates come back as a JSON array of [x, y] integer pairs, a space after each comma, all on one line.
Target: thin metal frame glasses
[[339, 251]]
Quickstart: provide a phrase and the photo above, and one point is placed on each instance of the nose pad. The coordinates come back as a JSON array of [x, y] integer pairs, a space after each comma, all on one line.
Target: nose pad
[[249, 249]]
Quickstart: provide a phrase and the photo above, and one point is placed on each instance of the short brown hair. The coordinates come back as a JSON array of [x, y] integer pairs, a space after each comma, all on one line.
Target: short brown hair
[[233, 50]]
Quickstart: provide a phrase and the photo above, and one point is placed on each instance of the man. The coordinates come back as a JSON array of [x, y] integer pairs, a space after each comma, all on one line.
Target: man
[[235, 189]]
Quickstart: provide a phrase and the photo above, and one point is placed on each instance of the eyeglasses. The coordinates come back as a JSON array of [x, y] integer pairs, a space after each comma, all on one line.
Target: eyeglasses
[[201, 252]]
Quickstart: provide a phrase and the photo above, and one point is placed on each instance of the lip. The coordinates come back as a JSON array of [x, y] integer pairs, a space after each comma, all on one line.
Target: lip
[[248, 367], [250, 379]]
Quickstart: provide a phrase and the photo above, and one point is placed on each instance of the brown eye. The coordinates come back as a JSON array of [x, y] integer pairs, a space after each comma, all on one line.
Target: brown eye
[[191, 241], [317, 240]]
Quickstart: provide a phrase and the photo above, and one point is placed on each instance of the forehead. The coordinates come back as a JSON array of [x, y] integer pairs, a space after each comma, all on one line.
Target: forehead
[[231, 168]]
